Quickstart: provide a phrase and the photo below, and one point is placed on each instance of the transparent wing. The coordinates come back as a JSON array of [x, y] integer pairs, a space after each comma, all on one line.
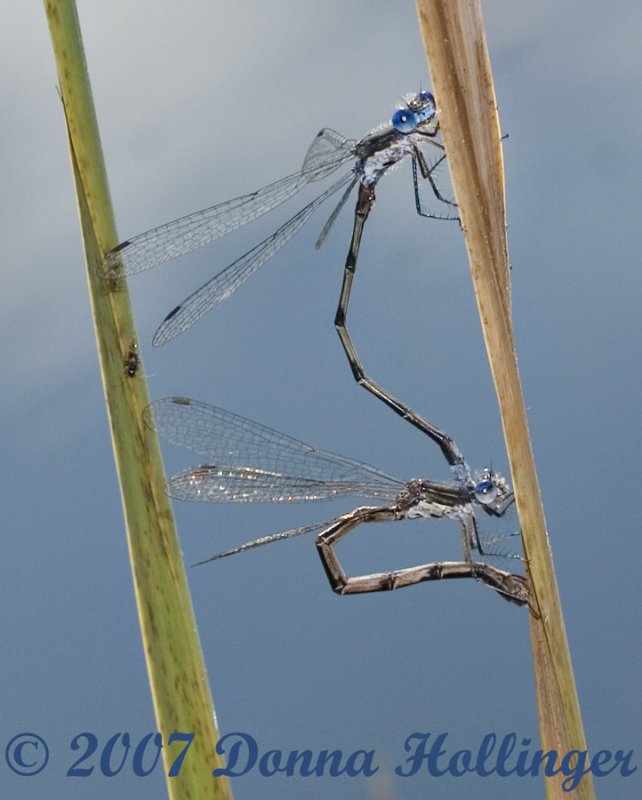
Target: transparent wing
[[328, 151], [221, 286], [210, 483], [224, 438]]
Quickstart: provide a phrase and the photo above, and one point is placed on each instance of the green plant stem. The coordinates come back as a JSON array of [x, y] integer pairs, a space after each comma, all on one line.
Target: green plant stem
[[178, 680]]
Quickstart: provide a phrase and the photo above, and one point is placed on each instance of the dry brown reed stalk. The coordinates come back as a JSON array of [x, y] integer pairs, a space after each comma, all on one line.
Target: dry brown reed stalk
[[455, 43]]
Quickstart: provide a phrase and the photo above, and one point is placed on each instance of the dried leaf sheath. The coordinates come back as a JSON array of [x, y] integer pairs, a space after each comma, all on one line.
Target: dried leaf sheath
[[455, 44]]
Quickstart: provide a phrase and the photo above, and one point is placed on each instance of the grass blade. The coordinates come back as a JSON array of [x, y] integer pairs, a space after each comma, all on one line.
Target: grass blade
[[177, 676]]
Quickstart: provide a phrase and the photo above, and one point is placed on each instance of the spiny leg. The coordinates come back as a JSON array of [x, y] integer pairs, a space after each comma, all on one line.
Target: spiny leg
[[452, 454], [426, 174], [511, 587]]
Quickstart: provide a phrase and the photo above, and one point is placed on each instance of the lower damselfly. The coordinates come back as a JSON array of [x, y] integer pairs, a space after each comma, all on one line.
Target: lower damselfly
[[245, 462]]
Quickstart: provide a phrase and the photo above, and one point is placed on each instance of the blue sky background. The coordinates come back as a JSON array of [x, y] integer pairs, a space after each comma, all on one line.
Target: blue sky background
[[204, 100]]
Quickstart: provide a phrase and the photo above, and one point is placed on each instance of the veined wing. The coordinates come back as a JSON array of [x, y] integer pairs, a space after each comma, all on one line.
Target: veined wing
[[328, 151], [223, 438], [221, 286], [211, 483]]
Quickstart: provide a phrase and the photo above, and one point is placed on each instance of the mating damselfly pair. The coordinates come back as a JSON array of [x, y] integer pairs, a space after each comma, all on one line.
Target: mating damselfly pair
[[299, 472]]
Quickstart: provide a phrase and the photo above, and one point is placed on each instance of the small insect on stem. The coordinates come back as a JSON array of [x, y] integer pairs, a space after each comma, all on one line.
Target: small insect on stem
[[131, 360]]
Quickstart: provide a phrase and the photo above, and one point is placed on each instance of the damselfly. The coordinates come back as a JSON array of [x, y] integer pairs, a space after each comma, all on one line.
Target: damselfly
[[250, 463], [412, 127]]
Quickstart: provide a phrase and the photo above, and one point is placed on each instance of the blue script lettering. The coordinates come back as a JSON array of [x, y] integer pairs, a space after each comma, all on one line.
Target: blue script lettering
[[304, 763], [601, 757], [419, 755], [573, 766], [485, 750], [506, 748], [598, 766], [243, 755], [463, 756], [625, 759], [250, 753]]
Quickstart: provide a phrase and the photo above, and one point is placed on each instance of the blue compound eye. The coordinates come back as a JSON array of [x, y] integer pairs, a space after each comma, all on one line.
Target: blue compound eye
[[427, 97], [404, 120], [486, 492]]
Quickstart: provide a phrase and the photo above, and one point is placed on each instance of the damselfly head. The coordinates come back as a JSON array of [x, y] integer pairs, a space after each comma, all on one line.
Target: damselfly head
[[419, 109], [490, 488], [421, 101]]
